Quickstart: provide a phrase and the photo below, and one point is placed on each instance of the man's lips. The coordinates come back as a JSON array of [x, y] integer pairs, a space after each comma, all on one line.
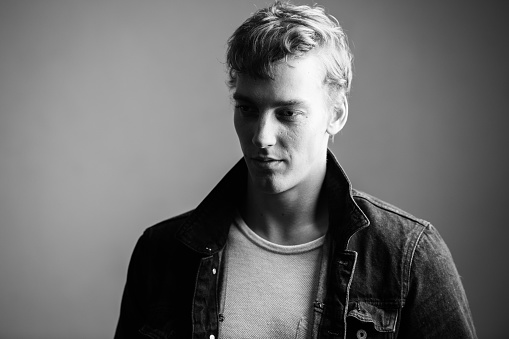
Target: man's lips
[[264, 159], [265, 163]]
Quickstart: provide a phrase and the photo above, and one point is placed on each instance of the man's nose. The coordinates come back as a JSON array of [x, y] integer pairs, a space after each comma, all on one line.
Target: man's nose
[[265, 133]]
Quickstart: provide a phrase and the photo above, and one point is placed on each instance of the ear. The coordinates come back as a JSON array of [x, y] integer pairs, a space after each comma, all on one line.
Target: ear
[[338, 116]]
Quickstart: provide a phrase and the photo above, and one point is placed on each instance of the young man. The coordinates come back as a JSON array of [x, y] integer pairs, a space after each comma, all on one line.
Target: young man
[[283, 247]]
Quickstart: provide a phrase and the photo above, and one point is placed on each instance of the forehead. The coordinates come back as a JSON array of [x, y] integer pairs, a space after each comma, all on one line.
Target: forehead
[[297, 79]]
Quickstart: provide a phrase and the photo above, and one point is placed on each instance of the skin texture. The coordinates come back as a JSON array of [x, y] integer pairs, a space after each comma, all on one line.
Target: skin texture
[[283, 125]]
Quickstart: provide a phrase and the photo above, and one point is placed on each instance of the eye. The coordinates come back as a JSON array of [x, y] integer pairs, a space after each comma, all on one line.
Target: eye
[[242, 108], [289, 114], [245, 110]]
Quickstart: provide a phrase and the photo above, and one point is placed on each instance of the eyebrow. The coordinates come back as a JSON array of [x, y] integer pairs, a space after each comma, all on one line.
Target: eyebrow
[[242, 97]]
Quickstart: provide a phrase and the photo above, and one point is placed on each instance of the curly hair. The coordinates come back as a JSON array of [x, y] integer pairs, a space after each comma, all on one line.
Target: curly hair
[[284, 30]]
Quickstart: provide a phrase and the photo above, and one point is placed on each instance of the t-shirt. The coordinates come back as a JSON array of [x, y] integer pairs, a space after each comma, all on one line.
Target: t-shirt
[[268, 289]]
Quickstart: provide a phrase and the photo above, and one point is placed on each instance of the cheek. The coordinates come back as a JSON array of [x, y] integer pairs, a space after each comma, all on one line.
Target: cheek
[[301, 135], [307, 141], [242, 129], [291, 137]]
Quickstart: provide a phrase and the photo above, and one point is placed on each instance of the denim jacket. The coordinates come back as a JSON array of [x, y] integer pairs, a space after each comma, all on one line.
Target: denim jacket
[[389, 274]]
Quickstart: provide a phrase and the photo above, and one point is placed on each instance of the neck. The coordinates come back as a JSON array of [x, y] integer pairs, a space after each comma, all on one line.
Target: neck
[[293, 217]]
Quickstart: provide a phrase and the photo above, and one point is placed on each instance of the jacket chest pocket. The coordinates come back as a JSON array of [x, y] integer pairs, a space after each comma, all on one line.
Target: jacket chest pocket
[[365, 320]]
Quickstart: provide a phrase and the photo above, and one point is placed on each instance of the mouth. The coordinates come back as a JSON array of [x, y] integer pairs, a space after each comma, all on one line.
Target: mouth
[[265, 163], [264, 159]]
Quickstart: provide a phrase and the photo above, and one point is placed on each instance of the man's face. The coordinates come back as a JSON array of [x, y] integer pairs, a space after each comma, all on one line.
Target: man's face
[[282, 126]]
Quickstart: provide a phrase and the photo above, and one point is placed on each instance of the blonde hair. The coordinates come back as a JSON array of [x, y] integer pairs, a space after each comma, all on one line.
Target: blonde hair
[[284, 30]]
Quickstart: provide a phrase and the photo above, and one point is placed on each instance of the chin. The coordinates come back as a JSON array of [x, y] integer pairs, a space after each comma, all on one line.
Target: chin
[[269, 185]]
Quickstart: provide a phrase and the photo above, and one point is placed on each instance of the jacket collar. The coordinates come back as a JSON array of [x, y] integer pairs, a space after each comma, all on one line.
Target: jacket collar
[[206, 229]]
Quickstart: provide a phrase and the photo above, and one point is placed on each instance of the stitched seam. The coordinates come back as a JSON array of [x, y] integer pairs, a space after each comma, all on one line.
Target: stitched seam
[[408, 271], [147, 333], [194, 295], [389, 303], [394, 211], [345, 312]]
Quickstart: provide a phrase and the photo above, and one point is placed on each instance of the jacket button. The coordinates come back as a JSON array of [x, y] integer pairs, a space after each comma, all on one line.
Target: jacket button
[[212, 336], [362, 334], [214, 271]]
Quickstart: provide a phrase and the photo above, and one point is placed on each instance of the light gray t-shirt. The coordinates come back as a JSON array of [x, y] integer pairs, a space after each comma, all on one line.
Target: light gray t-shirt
[[268, 289]]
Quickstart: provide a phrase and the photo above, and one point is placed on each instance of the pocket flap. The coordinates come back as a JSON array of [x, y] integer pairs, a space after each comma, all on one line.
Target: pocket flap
[[383, 319]]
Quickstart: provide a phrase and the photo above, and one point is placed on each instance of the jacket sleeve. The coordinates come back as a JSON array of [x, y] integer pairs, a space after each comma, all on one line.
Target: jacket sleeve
[[436, 305], [132, 316]]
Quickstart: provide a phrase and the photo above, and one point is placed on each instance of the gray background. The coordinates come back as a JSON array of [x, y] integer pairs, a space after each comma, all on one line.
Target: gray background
[[115, 115]]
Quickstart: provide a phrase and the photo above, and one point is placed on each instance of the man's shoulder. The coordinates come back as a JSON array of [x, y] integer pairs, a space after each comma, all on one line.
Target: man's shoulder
[[166, 229], [385, 215], [392, 232]]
